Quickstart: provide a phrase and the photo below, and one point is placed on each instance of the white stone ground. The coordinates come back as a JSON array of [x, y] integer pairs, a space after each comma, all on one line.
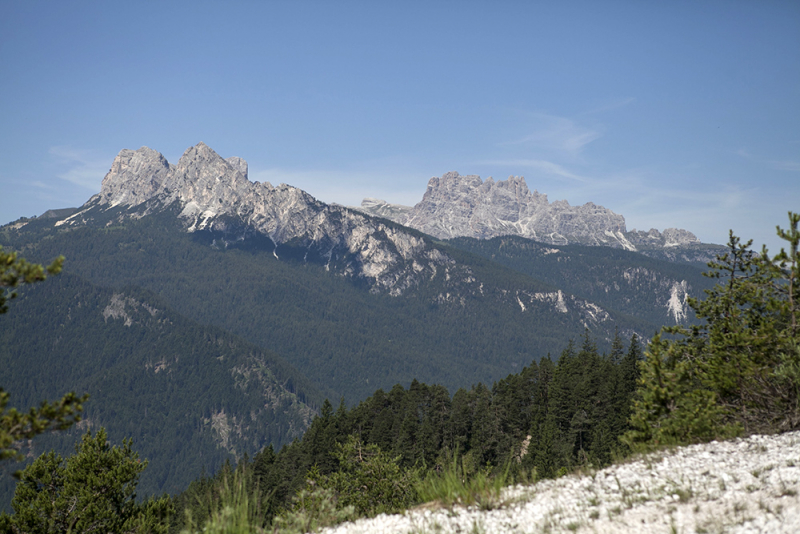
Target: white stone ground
[[740, 486]]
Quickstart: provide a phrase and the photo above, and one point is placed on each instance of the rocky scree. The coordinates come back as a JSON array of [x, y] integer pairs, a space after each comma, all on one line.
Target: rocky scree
[[749, 485]]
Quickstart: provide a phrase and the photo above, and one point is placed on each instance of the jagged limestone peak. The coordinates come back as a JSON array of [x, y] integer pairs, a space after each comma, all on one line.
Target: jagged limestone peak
[[239, 164], [456, 206], [215, 194], [135, 176], [466, 206]]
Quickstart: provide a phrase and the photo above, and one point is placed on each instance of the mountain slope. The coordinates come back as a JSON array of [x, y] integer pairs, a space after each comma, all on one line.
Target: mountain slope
[[190, 396], [616, 279], [354, 302], [214, 194], [472, 321], [747, 485]]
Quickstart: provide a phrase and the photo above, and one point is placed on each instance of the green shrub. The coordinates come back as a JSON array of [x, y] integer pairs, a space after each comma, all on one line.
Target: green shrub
[[369, 480]]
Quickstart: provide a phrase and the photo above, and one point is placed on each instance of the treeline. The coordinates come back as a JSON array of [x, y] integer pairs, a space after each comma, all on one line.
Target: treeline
[[542, 422]]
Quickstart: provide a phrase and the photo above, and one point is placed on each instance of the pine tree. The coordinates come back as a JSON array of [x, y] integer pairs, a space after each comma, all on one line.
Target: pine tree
[[737, 370], [92, 491]]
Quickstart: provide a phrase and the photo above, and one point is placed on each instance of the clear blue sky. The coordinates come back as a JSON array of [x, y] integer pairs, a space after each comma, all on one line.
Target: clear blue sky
[[676, 113]]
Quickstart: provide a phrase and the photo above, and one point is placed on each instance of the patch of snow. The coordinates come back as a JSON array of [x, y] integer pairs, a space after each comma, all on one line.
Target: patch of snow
[[63, 221]]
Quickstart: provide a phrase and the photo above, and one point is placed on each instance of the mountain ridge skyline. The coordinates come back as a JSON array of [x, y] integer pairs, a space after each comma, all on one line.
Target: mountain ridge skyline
[[373, 206]]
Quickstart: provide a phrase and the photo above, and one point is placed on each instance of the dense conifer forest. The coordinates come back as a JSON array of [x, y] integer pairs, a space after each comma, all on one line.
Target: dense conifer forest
[[544, 421], [152, 375], [614, 278], [344, 338]]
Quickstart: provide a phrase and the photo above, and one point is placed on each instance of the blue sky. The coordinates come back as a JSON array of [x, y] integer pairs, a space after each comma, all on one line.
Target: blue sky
[[673, 114]]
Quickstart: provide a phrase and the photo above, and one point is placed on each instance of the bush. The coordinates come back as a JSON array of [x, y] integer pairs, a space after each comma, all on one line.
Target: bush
[[369, 480]]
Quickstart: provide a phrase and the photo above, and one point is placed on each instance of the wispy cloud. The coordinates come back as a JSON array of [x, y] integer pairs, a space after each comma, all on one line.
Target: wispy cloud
[[614, 104], [544, 166], [792, 166], [778, 165], [560, 134], [84, 168]]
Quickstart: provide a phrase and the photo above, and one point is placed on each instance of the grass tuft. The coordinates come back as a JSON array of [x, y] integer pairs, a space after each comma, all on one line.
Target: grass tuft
[[453, 487]]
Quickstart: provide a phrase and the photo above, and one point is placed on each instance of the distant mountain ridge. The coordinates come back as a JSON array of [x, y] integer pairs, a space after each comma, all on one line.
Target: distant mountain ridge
[[215, 195], [465, 206]]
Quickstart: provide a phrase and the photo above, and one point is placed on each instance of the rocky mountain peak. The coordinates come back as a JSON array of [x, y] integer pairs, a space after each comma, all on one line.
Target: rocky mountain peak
[[456, 206], [239, 164], [381, 208], [466, 206], [134, 177], [670, 238], [203, 177], [200, 176], [214, 194]]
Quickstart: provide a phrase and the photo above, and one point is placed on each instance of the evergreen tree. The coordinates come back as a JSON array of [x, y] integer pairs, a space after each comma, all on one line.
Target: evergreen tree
[[739, 369], [368, 479], [15, 271], [91, 491]]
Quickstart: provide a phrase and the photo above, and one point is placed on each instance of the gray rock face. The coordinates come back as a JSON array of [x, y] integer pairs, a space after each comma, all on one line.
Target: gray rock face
[[671, 237], [239, 164], [215, 194], [381, 208], [465, 206], [135, 176]]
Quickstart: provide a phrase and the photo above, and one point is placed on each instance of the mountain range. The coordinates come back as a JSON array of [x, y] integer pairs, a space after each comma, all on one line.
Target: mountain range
[[212, 313], [465, 206]]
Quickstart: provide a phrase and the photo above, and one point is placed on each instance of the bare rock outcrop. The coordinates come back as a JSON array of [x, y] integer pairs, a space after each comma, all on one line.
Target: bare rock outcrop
[[135, 176], [466, 206], [215, 194]]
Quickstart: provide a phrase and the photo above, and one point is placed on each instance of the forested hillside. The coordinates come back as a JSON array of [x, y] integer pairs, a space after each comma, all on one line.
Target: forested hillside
[[617, 279], [735, 373], [545, 420], [455, 331], [190, 396]]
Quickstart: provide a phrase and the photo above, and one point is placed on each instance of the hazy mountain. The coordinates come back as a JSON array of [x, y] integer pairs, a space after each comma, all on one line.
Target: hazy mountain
[[352, 301], [652, 289], [465, 206]]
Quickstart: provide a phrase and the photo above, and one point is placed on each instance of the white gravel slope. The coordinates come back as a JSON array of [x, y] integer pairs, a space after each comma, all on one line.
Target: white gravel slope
[[740, 486]]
